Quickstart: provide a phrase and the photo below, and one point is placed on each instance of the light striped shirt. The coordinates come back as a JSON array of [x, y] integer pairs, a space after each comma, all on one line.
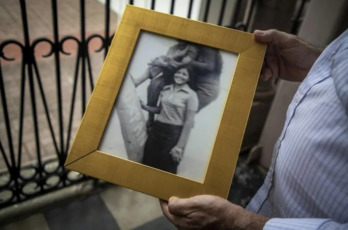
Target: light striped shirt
[[307, 184]]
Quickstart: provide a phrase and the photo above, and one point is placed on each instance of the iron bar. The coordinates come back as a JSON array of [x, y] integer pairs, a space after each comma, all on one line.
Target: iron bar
[[236, 13], [222, 12], [71, 115], [7, 123], [296, 21], [56, 50], [153, 3], [21, 114], [107, 27], [29, 57], [44, 102], [82, 54], [249, 13], [189, 12], [4, 156], [172, 6], [206, 13], [90, 73]]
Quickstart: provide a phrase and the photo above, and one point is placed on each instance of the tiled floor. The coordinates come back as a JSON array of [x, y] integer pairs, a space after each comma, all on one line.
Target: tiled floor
[[113, 208]]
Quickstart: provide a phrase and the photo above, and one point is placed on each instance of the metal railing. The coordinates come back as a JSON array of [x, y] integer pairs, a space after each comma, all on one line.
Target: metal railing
[[21, 180]]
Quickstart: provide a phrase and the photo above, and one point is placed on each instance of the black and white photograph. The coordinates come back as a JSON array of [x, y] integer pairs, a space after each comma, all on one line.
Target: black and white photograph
[[169, 107]]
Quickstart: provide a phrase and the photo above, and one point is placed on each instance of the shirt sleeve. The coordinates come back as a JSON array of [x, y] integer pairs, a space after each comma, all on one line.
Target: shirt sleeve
[[340, 76], [192, 103], [303, 224]]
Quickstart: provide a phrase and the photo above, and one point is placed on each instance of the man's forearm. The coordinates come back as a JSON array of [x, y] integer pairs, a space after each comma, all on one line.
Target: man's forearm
[[242, 219]]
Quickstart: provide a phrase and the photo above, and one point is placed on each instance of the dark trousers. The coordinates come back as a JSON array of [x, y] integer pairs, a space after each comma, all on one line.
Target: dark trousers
[[161, 139]]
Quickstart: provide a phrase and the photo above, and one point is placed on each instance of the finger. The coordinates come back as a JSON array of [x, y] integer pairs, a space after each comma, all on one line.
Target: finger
[[178, 221], [177, 159], [164, 207], [271, 64], [179, 207], [268, 36], [264, 36], [165, 210], [266, 74]]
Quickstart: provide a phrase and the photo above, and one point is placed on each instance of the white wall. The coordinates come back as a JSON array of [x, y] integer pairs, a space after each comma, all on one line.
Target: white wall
[[181, 6]]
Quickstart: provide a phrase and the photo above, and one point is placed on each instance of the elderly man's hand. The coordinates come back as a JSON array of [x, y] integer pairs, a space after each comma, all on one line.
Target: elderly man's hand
[[287, 56], [209, 212]]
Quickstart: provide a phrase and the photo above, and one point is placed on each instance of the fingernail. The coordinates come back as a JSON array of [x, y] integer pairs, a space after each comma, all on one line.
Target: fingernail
[[171, 199]]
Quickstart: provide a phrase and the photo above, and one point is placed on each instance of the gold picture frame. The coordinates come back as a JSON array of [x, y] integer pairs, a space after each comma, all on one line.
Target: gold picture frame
[[137, 28]]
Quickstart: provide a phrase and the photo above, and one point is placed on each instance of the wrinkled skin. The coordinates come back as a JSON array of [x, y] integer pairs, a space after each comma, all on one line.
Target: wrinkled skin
[[287, 56], [209, 212]]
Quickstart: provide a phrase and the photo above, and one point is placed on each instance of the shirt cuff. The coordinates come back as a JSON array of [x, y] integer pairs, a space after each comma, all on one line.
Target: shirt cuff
[[294, 223]]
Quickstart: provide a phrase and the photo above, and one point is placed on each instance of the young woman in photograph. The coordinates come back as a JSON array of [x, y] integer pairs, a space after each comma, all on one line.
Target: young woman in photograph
[[161, 70], [166, 141]]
